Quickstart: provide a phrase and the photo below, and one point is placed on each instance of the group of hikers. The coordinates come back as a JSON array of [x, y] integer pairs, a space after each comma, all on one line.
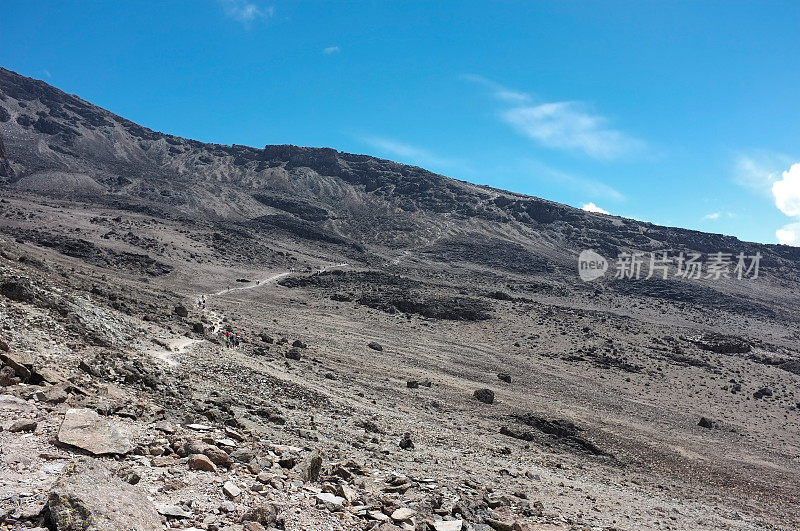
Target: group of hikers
[[232, 339]]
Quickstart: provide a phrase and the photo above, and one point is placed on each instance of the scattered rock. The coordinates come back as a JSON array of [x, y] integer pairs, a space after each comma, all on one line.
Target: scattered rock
[[403, 514], [231, 490], [85, 429], [448, 525], [19, 290], [294, 354], [310, 468], [172, 511], [761, 393], [331, 501], [484, 395], [412, 384], [8, 376], [706, 423], [201, 462], [181, 311], [299, 344], [22, 425], [722, 344], [21, 363], [3, 346], [217, 456], [375, 346], [504, 376], [88, 496], [405, 442], [265, 514]]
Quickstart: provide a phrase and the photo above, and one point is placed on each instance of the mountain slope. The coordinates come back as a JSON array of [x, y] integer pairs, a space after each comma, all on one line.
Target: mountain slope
[[429, 337]]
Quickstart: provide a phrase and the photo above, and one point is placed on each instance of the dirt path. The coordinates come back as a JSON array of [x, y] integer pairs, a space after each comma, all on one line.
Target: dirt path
[[180, 344]]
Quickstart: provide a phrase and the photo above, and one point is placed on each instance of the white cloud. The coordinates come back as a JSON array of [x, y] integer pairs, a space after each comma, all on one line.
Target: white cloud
[[786, 191], [568, 125], [789, 234], [712, 216], [330, 50], [244, 11], [591, 207]]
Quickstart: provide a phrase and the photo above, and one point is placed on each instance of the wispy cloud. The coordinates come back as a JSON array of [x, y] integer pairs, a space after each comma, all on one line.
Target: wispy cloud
[[589, 187], [591, 207], [757, 170], [714, 216], [569, 126], [565, 125], [330, 50], [499, 91], [407, 153], [245, 12]]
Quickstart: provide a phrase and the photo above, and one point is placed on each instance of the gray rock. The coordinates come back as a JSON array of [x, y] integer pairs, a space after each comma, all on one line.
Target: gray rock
[[331, 501], [504, 376], [448, 525], [20, 362], [231, 490], [85, 429], [310, 468], [172, 511], [88, 496], [375, 346], [22, 425], [243, 455]]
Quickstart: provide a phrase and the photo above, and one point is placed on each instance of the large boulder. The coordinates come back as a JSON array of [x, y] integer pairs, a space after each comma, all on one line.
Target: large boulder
[[87, 430], [87, 496]]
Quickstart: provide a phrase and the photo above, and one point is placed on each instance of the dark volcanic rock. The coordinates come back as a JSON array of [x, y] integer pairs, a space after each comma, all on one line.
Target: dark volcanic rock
[[484, 395], [504, 376], [722, 344], [405, 442], [562, 432], [706, 423], [761, 393]]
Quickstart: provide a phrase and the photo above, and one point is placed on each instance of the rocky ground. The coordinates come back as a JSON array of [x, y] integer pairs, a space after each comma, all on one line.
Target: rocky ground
[[410, 351], [364, 398]]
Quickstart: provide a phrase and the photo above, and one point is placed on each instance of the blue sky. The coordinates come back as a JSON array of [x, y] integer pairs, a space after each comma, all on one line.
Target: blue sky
[[679, 113]]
